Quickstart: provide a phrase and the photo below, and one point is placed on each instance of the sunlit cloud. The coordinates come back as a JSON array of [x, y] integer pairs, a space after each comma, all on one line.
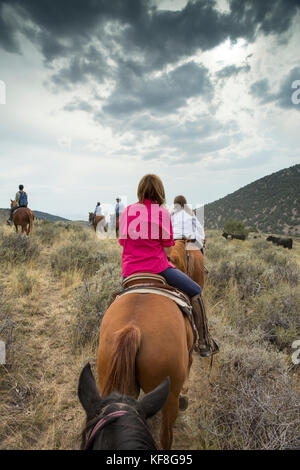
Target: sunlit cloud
[[199, 92]]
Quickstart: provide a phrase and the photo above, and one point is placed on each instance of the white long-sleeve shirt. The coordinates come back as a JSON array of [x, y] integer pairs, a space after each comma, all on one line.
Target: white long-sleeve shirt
[[98, 210], [187, 226]]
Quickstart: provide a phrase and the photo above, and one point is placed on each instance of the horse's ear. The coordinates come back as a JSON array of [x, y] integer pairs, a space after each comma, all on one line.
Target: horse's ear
[[153, 401], [88, 393]]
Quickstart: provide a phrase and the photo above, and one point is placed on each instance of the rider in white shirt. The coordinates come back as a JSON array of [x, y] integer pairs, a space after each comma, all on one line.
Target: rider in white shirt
[[98, 210], [185, 223]]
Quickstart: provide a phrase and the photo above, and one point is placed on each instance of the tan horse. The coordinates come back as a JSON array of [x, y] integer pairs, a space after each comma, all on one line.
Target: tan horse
[[98, 219], [191, 262], [23, 217], [139, 347]]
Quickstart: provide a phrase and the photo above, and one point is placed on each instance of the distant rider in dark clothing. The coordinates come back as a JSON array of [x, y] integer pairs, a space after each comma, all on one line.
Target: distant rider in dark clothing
[[118, 212], [21, 201]]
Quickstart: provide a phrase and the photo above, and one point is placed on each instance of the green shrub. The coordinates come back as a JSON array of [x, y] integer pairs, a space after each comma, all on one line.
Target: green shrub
[[246, 272], [275, 313], [24, 282], [83, 257], [234, 227], [220, 249], [215, 251], [92, 300], [81, 236], [251, 274], [253, 404], [47, 232], [18, 248], [278, 315]]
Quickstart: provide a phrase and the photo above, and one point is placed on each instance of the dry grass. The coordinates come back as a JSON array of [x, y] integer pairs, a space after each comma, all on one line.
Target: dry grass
[[54, 290]]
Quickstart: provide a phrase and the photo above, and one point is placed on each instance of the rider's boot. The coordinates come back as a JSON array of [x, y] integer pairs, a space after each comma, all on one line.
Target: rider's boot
[[10, 219], [206, 345]]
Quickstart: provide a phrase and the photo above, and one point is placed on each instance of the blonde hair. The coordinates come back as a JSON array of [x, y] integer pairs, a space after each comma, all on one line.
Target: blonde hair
[[151, 187]]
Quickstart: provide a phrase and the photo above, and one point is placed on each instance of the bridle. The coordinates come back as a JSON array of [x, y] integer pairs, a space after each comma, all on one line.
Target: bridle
[[102, 423], [104, 420]]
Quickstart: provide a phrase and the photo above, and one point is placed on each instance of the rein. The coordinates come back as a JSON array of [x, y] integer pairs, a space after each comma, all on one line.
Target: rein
[[109, 418], [102, 423]]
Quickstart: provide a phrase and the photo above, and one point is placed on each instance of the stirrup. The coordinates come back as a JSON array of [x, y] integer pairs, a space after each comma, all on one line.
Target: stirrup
[[208, 351], [183, 403]]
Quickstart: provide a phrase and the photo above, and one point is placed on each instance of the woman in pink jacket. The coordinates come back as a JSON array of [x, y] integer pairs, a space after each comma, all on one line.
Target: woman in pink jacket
[[146, 236]]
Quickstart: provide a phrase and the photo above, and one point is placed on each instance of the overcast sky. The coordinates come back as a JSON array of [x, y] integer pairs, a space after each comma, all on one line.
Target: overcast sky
[[99, 92]]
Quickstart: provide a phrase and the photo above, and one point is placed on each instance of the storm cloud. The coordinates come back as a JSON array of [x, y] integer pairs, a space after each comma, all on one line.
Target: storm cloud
[[197, 84], [165, 93], [126, 41], [138, 28], [283, 97]]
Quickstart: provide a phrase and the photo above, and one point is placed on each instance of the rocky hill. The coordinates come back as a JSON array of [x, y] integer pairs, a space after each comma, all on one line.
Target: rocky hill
[[4, 214], [270, 204]]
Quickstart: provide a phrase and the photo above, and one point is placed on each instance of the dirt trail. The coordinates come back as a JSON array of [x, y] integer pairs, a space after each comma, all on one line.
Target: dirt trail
[[42, 382], [61, 366]]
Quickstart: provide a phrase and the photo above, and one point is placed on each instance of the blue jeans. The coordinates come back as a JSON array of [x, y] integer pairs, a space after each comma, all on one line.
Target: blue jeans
[[177, 278]]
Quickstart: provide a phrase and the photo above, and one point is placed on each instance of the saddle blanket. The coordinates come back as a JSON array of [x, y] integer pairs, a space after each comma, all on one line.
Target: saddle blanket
[[177, 297]]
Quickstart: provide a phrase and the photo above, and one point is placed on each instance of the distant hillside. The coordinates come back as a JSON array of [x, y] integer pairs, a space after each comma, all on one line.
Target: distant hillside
[[270, 204], [4, 213]]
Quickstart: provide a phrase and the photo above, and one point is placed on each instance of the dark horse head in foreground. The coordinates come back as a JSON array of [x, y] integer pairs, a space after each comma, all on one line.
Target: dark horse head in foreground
[[118, 422]]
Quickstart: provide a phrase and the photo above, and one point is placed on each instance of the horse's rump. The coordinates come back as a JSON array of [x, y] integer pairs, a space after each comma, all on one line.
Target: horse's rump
[[195, 266], [98, 218], [191, 262], [155, 339], [23, 216], [178, 255]]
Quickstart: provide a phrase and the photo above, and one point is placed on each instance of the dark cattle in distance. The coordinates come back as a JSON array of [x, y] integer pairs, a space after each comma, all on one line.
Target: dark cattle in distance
[[230, 236], [239, 237], [285, 242]]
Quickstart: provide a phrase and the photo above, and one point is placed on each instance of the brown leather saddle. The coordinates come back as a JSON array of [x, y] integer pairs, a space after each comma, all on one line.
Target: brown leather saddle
[[156, 284], [144, 278]]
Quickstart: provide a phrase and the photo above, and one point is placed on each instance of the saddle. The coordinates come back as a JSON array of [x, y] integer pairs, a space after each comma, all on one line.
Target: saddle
[[148, 283], [18, 208], [142, 278]]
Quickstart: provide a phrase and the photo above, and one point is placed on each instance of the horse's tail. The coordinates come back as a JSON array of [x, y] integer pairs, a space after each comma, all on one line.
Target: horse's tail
[[121, 374], [31, 219]]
